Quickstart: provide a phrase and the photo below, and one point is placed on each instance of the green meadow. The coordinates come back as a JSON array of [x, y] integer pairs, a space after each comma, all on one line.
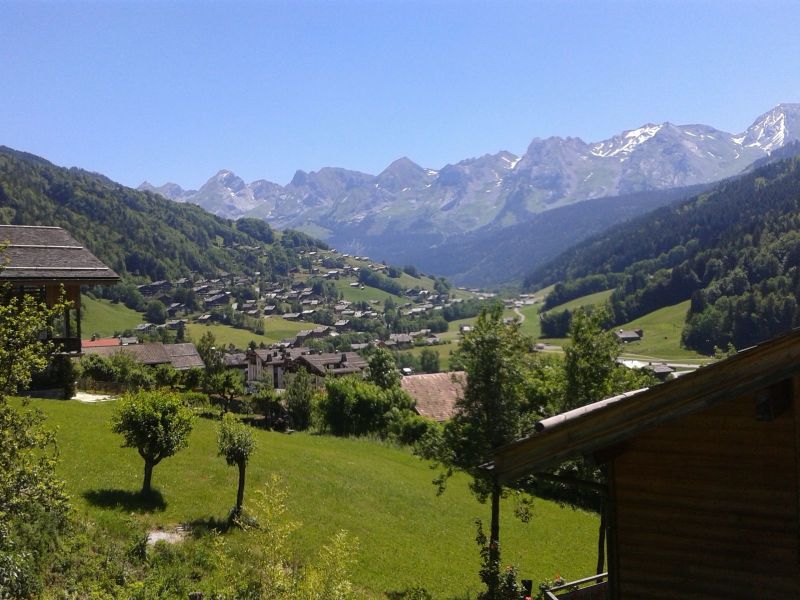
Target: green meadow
[[275, 330], [105, 318], [381, 494]]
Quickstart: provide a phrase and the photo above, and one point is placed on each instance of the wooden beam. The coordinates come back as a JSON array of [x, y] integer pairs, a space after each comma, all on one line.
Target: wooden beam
[[612, 423], [796, 409]]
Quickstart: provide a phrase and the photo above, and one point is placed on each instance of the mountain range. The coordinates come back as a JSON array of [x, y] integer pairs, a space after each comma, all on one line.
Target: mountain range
[[411, 212]]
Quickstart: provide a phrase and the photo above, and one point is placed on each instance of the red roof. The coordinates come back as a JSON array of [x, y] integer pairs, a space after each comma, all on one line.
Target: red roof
[[100, 342]]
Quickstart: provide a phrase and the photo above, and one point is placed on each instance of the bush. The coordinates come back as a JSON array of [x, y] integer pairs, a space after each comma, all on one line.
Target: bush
[[407, 427], [352, 406]]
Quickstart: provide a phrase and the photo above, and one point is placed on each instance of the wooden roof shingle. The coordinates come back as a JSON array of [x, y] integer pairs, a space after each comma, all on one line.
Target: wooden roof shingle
[[39, 253]]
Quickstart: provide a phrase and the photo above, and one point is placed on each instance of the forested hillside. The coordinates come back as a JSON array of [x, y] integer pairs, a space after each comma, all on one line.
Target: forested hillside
[[138, 234], [734, 251]]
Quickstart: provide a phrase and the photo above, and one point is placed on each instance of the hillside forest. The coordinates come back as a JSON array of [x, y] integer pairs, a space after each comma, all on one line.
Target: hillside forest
[[734, 252]]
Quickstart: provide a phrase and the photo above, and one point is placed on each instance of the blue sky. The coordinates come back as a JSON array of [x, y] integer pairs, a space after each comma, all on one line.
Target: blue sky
[[174, 91]]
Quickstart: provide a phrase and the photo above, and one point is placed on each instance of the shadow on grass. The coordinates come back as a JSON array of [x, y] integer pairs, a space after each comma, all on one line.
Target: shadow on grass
[[201, 527], [127, 500]]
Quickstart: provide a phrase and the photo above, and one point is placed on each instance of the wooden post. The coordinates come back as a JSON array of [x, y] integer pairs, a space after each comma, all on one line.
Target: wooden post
[[796, 410]]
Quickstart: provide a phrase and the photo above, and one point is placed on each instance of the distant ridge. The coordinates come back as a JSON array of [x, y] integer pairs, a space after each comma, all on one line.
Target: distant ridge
[[408, 207]]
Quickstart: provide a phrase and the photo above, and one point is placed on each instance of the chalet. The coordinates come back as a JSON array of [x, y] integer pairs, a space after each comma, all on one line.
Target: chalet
[[435, 394], [402, 340], [272, 364], [218, 299], [236, 361], [40, 260], [703, 478], [180, 356], [629, 336], [157, 287], [331, 363]]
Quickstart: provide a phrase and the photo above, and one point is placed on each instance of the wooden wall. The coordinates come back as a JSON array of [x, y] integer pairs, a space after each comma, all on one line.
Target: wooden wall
[[707, 506]]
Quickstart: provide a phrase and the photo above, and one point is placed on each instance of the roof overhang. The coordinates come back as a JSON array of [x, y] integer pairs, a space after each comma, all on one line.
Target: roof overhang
[[609, 422]]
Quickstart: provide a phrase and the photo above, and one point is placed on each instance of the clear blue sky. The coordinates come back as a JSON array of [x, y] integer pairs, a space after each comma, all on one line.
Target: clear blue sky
[[174, 91]]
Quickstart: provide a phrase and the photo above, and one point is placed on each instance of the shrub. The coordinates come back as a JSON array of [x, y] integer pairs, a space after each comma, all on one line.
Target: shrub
[[352, 406], [407, 427]]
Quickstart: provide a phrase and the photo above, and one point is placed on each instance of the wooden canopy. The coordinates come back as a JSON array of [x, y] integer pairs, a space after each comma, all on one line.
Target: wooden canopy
[[592, 428]]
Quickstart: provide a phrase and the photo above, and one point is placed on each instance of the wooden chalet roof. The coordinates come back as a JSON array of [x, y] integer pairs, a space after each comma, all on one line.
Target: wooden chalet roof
[[180, 356], [335, 363], [184, 356], [38, 253], [435, 394], [596, 426]]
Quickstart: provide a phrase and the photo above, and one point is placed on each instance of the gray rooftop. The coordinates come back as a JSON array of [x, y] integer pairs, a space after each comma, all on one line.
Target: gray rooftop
[[41, 253]]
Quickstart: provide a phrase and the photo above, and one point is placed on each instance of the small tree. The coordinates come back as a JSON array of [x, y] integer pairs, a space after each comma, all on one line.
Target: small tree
[[207, 349], [383, 370], [429, 360], [299, 394], [157, 424], [488, 415], [32, 498], [227, 385], [156, 312], [236, 444]]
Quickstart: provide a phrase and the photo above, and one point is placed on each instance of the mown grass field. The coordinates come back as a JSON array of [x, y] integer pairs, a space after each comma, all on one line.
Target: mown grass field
[[275, 330], [104, 318], [368, 294], [662, 335], [381, 494]]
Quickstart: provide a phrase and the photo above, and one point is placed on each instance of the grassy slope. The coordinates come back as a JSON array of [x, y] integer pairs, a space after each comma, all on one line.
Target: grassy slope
[[104, 317], [275, 330], [662, 334], [384, 496], [354, 294]]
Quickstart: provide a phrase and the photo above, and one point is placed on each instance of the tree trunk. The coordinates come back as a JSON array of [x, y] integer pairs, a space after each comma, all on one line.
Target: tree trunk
[[601, 538], [494, 541], [148, 477], [240, 491]]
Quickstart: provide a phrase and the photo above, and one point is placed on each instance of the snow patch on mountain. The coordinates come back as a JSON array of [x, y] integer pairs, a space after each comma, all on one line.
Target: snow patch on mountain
[[622, 145]]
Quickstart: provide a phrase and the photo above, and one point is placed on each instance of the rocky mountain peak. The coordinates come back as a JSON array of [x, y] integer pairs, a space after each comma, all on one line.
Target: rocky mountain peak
[[773, 129]]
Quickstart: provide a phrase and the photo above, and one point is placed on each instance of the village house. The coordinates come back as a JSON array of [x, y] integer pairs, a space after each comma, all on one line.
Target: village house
[[703, 479], [180, 356], [334, 364], [46, 262], [625, 336]]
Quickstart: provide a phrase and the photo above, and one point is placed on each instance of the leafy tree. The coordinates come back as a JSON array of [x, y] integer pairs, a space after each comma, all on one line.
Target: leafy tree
[[156, 312], [235, 442], [488, 415], [589, 360], [227, 384], [352, 406], [299, 395], [157, 424], [429, 360], [383, 370], [32, 498], [208, 351]]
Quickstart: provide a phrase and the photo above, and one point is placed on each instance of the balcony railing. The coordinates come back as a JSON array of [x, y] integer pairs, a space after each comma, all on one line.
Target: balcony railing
[[588, 588]]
